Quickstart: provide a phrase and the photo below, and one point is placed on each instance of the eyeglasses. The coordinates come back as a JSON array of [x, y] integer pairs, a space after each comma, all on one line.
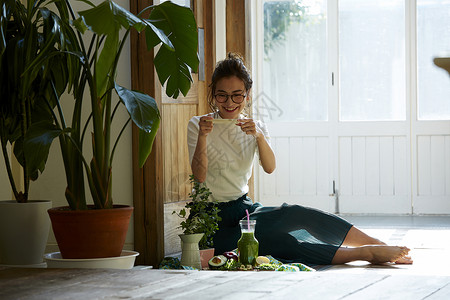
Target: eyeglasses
[[236, 98]]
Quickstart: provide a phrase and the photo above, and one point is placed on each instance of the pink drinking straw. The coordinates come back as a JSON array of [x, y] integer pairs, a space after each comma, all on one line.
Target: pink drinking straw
[[248, 219]]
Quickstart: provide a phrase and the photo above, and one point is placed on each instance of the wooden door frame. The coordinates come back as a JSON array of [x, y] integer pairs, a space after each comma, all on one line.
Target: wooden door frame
[[147, 181], [235, 36]]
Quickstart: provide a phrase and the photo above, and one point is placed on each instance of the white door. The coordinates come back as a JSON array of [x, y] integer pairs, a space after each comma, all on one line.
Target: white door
[[337, 83]]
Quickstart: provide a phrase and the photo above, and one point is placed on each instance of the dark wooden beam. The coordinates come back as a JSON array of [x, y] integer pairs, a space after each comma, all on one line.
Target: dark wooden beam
[[208, 26], [236, 26], [147, 181]]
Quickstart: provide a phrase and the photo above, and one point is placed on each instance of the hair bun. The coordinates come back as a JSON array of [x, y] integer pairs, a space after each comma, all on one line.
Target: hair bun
[[235, 55]]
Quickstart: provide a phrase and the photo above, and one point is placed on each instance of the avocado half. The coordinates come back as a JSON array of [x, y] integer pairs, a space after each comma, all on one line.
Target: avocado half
[[217, 261]]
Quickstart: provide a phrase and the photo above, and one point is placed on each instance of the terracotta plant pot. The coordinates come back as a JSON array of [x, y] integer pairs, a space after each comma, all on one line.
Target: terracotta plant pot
[[92, 233], [205, 256]]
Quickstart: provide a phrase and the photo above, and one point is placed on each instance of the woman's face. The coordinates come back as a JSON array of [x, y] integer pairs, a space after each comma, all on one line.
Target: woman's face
[[225, 89]]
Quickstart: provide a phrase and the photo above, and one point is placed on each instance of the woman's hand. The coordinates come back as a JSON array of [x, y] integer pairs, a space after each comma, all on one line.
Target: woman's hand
[[205, 125], [249, 127], [266, 155], [199, 163]]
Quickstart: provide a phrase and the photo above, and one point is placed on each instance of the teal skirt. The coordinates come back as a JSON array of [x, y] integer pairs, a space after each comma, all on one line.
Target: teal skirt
[[290, 233]]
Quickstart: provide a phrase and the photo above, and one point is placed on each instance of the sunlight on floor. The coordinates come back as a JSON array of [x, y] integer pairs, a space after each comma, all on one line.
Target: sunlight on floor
[[430, 250]]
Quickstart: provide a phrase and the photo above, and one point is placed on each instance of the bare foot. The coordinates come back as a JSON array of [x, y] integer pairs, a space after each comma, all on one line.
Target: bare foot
[[405, 260], [378, 254]]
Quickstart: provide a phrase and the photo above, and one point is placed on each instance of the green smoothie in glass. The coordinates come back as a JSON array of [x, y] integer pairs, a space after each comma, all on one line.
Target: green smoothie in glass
[[248, 245]]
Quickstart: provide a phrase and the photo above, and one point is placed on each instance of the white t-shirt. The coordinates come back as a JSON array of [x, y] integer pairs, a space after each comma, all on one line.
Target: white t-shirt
[[231, 153]]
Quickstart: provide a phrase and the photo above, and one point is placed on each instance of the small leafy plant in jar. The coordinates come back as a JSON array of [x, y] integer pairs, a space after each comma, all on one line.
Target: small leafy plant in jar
[[200, 215]]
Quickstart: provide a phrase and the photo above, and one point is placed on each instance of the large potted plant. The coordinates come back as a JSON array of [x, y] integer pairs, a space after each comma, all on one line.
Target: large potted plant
[[27, 32], [98, 37], [200, 221]]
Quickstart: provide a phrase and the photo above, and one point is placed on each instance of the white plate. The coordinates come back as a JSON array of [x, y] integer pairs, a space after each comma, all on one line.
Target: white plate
[[124, 261]]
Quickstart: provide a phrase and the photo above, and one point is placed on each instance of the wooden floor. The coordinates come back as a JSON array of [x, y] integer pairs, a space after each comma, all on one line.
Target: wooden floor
[[427, 278], [165, 284]]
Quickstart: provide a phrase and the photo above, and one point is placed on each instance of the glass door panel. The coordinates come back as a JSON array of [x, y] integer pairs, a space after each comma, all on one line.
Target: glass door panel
[[372, 60], [433, 38], [295, 59]]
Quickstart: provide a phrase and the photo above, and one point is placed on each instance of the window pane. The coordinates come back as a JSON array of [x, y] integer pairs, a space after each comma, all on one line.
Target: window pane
[[295, 61], [433, 88], [372, 60]]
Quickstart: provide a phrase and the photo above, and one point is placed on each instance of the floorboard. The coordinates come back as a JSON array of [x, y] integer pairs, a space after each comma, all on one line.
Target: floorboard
[[163, 284]]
